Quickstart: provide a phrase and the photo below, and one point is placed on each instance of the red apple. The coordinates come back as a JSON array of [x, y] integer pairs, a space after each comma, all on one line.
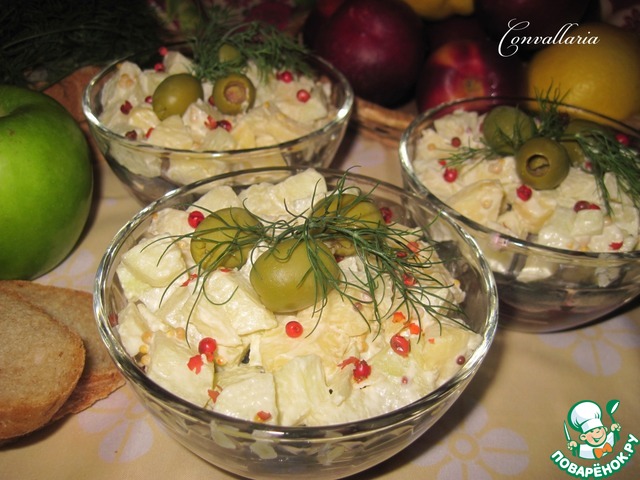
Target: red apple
[[272, 12], [318, 16], [467, 68], [452, 28], [544, 17], [378, 45]]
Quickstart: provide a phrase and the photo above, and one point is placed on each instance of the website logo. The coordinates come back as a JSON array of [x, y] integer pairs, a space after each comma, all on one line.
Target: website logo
[[599, 451]]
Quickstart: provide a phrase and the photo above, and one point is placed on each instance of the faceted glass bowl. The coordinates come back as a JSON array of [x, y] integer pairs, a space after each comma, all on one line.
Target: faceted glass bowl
[[261, 451]]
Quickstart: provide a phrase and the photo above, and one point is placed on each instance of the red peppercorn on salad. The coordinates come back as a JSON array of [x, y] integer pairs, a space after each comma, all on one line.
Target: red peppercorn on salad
[[289, 304]]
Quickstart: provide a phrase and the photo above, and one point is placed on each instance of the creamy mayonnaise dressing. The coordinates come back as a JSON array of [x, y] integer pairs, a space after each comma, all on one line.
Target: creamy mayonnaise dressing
[[258, 372]]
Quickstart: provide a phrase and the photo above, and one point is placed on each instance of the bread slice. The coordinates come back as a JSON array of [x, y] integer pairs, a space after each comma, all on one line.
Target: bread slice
[[74, 308], [41, 361]]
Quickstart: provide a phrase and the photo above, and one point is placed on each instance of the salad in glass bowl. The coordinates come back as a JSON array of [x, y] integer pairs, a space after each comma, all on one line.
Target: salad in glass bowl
[[320, 319], [551, 193], [236, 97]]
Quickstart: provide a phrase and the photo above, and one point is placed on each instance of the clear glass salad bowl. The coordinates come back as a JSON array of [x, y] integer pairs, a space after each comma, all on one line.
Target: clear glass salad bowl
[[151, 171], [261, 451], [578, 287]]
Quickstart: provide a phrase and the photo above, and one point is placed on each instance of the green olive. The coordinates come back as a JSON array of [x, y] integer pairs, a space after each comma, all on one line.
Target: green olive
[[234, 94], [174, 95], [294, 274], [505, 128], [224, 238], [345, 212], [542, 163], [228, 53], [586, 129]]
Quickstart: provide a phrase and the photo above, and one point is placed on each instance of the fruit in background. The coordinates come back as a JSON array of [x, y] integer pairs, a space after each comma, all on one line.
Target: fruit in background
[[47, 183], [319, 14], [378, 45], [545, 17], [622, 13], [603, 77], [464, 69], [453, 28], [439, 9], [274, 12]]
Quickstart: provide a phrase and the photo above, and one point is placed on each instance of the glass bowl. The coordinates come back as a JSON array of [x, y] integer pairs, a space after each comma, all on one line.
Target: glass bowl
[[151, 171], [262, 451], [577, 287]]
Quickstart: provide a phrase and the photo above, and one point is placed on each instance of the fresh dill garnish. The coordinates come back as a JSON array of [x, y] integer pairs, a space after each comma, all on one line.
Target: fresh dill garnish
[[397, 261], [607, 154], [43, 42], [264, 44], [552, 122]]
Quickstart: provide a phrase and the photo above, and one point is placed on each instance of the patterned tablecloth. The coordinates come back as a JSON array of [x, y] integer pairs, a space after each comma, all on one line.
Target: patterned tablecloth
[[508, 424]]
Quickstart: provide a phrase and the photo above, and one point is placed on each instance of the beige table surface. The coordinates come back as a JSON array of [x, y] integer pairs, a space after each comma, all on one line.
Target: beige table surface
[[506, 425]]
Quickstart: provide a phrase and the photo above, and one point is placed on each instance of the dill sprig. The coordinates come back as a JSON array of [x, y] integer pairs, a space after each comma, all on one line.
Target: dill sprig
[[264, 44], [387, 253], [390, 254], [607, 154], [465, 154], [551, 120], [43, 42]]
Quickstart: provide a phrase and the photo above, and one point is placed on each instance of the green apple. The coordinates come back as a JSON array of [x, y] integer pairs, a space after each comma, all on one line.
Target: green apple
[[46, 183]]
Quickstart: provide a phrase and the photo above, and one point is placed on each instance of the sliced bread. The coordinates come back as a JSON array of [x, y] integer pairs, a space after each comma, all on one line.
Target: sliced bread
[[74, 308], [41, 361]]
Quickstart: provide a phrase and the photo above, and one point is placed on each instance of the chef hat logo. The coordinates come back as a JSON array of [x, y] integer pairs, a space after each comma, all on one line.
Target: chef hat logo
[[585, 416]]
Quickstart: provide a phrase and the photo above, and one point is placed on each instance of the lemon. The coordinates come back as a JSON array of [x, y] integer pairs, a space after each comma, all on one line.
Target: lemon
[[603, 76], [440, 9]]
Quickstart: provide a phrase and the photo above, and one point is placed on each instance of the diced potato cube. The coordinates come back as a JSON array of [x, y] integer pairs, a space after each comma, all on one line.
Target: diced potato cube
[[291, 195], [499, 259], [171, 133], [326, 341], [578, 185], [611, 236], [155, 261], [535, 211], [536, 268], [132, 286], [307, 112], [187, 170], [627, 217], [218, 139], [142, 117], [556, 232], [440, 354], [145, 164], [170, 221], [300, 388], [245, 313], [131, 328], [169, 369], [217, 198], [587, 222], [481, 201], [175, 62], [248, 393]]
